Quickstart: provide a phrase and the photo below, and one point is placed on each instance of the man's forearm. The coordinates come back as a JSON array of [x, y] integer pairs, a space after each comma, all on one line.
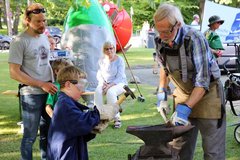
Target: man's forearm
[[163, 80], [195, 97], [18, 75]]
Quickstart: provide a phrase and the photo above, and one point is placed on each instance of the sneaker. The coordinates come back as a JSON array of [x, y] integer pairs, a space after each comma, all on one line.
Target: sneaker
[[117, 124]]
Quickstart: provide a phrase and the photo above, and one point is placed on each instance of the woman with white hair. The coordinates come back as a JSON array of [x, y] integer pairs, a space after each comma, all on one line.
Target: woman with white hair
[[111, 78]]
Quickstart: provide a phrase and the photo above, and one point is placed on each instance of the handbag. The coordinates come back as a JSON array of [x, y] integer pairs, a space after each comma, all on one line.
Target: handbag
[[232, 93]]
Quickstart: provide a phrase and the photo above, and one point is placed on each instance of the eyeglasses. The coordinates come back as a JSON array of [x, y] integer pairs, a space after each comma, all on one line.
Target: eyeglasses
[[107, 49], [168, 32], [81, 84], [37, 11]]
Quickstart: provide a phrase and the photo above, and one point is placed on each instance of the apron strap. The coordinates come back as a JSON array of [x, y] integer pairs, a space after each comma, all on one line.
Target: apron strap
[[183, 58]]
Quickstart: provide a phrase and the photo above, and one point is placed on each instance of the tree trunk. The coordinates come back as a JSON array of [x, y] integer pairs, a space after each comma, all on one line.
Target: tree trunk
[[16, 19], [1, 13], [9, 17], [201, 8], [4, 14]]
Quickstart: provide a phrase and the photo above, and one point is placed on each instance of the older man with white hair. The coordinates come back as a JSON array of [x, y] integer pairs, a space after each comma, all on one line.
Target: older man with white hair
[[187, 61]]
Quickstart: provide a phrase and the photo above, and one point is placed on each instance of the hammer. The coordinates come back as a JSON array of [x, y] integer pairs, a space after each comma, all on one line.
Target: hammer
[[125, 95]]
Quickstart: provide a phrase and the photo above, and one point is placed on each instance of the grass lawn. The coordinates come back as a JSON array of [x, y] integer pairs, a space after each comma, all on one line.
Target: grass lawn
[[112, 144]]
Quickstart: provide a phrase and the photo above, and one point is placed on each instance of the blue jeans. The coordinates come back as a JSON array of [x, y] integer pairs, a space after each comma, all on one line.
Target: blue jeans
[[32, 106]]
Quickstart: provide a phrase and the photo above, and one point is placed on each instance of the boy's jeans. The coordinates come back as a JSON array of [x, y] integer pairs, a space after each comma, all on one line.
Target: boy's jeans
[[32, 106]]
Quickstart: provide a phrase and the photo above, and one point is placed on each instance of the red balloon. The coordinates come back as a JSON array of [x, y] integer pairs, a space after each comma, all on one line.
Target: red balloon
[[121, 23]]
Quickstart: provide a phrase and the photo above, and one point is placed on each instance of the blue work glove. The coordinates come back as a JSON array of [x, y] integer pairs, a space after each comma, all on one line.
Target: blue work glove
[[180, 116]]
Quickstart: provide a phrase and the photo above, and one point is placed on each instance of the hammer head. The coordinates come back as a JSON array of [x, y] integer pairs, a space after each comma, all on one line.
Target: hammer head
[[128, 92]]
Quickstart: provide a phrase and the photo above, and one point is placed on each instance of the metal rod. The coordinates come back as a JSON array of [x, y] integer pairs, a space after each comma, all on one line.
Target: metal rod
[[127, 62]]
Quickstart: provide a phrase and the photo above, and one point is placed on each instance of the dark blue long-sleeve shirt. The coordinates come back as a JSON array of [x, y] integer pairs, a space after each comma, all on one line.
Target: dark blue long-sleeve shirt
[[70, 129]]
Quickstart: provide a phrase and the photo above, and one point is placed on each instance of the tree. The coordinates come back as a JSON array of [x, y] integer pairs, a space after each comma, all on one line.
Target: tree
[[16, 18], [1, 13], [56, 10], [232, 3], [9, 17], [144, 10]]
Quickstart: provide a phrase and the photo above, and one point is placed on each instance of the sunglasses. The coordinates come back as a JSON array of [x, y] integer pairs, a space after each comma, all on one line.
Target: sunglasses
[[106, 49], [37, 11]]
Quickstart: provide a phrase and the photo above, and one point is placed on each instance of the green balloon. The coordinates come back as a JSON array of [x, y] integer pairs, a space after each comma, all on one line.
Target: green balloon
[[86, 12]]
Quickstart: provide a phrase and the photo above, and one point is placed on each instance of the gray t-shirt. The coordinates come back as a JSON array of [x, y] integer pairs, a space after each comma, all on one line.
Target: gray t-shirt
[[32, 53]]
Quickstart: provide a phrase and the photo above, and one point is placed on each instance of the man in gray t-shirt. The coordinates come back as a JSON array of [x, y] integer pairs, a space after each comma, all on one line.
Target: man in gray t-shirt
[[29, 65]]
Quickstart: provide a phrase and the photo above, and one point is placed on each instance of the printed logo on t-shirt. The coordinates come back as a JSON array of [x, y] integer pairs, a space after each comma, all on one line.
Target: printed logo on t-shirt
[[43, 52], [43, 56]]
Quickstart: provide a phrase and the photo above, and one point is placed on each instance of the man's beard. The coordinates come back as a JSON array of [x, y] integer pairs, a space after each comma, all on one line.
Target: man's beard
[[39, 31]]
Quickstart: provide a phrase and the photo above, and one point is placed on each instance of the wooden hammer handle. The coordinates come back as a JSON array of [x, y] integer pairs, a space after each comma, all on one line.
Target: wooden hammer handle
[[121, 99]]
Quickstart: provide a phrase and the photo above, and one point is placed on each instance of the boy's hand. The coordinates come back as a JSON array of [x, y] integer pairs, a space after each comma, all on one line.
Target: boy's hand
[[49, 110], [100, 127]]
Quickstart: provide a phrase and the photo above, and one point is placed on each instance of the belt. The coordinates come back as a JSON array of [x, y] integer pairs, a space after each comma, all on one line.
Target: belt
[[24, 85]]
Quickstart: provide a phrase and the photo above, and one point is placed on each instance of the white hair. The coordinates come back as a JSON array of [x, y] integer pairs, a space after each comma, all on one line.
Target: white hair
[[169, 11], [195, 16]]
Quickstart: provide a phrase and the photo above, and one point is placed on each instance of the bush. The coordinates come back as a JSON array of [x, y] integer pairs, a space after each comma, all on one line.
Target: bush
[[55, 22]]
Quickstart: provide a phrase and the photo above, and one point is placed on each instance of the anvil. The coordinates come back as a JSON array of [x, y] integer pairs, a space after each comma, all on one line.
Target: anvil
[[156, 139]]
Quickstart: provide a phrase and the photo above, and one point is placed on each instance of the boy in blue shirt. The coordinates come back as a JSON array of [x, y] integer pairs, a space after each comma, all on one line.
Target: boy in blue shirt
[[72, 122]]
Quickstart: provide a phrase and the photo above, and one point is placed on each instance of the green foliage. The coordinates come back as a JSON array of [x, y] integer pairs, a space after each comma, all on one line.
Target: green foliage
[[56, 11], [232, 3], [143, 9], [188, 10], [142, 12], [3, 31], [55, 22]]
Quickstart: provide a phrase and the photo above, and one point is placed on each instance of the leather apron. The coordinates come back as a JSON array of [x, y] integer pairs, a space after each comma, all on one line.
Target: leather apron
[[209, 107]]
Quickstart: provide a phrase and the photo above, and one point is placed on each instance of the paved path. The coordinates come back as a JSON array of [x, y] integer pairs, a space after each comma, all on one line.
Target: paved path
[[146, 76]]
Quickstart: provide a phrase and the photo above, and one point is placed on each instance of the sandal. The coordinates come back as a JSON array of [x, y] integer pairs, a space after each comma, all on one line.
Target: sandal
[[117, 124]]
